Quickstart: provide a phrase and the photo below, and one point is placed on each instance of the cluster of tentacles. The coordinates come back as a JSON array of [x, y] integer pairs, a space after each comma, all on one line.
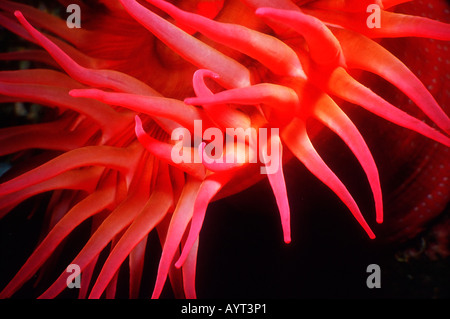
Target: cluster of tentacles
[[136, 71]]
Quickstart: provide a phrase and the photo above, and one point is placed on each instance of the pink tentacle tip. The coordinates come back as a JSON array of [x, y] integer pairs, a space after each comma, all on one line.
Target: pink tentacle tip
[[201, 73], [185, 251], [180, 263], [18, 14], [137, 119], [262, 11], [76, 93], [190, 100], [287, 238]]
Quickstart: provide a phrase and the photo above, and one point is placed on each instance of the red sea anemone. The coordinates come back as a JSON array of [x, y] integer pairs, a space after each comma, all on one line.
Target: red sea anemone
[[118, 87]]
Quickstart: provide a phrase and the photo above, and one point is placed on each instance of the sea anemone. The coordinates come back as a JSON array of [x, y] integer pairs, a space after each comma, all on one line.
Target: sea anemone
[[115, 90]]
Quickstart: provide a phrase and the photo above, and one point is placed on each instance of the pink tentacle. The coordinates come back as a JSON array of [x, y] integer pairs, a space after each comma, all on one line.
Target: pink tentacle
[[282, 100], [109, 120], [189, 270], [97, 78], [232, 73], [85, 179], [324, 48], [296, 138], [392, 25], [164, 152], [152, 213], [112, 225], [156, 106], [372, 57], [136, 264], [347, 88], [42, 136], [222, 114], [278, 184], [270, 51], [47, 21], [333, 117], [209, 188], [91, 205], [108, 156], [180, 219]]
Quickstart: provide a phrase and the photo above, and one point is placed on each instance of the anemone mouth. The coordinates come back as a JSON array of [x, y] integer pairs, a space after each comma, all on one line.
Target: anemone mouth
[[244, 65]]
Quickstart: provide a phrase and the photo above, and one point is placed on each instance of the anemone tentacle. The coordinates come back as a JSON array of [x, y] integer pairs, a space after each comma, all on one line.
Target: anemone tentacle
[[114, 92]]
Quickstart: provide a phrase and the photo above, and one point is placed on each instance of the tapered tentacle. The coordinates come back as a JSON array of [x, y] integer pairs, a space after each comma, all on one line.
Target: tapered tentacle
[[110, 292], [15, 139], [86, 278], [209, 188], [270, 51], [402, 25], [75, 54], [164, 152], [152, 213], [108, 156], [175, 274], [60, 203], [392, 25], [88, 271], [324, 48], [362, 53], [152, 105], [47, 21], [282, 100], [136, 265], [180, 219], [89, 206], [198, 82], [12, 25], [277, 182], [221, 114], [278, 27], [109, 120], [344, 86], [98, 78], [297, 140], [112, 225], [248, 80], [92, 249], [189, 270], [258, 93], [85, 179], [332, 116], [232, 74]]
